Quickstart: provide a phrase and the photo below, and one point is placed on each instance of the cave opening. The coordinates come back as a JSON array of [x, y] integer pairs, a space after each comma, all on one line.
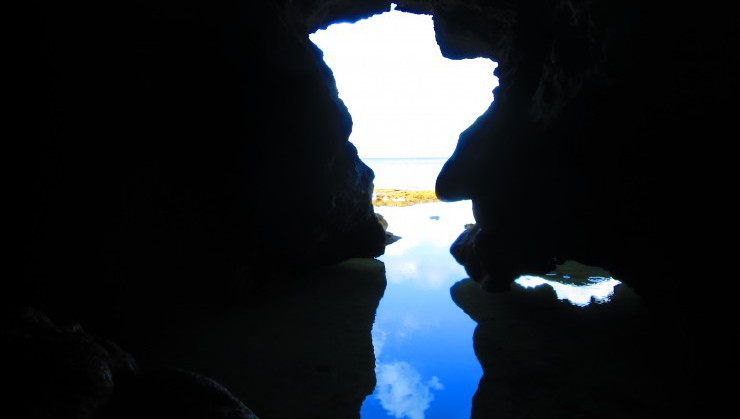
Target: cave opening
[[407, 101], [202, 239], [409, 105]]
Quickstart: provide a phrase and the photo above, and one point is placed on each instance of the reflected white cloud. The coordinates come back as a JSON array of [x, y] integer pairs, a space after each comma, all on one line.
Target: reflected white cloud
[[408, 268], [407, 100], [401, 327], [402, 391], [426, 229], [421, 273], [416, 224], [599, 289], [379, 338], [410, 322]]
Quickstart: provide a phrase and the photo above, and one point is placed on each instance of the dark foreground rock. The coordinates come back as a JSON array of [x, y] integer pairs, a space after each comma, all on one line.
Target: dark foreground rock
[[585, 152], [164, 142], [58, 372], [548, 359], [62, 372], [302, 350], [605, 144], [174, 394], [391, 238]]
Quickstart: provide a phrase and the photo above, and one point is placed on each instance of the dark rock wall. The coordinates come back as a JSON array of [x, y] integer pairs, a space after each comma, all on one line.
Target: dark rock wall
[[63, 372], [59, 372], [302, 352], [543, 358], [607, 143], [182, 147], [167, 138], [605, 137], [179, 148]]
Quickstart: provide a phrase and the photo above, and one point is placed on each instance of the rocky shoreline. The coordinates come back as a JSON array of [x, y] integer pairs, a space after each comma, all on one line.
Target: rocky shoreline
[[402, 198]]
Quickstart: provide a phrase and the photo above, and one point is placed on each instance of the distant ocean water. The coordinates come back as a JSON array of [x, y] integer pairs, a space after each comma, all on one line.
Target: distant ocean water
[[408, 174]]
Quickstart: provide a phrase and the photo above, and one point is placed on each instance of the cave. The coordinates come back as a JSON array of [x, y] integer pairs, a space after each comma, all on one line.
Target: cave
[[180, 174]]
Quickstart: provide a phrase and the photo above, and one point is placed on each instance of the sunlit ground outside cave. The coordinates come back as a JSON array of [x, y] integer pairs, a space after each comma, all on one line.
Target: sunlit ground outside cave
[[409, 105]]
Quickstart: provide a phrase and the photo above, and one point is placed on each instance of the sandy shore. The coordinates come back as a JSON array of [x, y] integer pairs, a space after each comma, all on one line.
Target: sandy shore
[[402, 198]]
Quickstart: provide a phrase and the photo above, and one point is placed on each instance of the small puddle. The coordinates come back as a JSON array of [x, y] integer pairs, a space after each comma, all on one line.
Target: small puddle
[[576, 283]]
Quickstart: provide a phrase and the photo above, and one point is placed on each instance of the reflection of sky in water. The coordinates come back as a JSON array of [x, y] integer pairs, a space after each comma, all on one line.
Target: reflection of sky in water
[[599, 289], [402, 392], [425, 364]]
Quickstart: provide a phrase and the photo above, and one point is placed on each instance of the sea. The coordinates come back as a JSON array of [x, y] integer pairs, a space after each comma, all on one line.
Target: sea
[[406, 173]]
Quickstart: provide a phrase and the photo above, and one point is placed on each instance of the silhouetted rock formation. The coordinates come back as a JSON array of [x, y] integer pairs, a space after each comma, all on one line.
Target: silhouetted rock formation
[[544, 358], [604, 144], [302, 350], [477, 252], [53, 372], [173, 394], [172, 151], [167, 142], [584, 151], [56, 372]]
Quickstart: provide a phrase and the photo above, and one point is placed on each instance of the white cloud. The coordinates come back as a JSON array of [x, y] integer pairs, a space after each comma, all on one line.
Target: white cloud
[[405, 98], [379, 338], [401, 391], [408, 260]]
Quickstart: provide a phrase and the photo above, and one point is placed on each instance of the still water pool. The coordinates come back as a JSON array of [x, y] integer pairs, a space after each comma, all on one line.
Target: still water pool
[[411, 336], [426, 365]]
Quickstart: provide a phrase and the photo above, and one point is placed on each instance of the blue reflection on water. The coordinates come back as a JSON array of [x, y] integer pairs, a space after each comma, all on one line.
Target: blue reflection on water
[[425, 364]]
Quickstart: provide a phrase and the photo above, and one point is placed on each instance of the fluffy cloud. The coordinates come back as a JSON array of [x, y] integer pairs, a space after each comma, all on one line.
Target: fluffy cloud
[[402, 392]]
